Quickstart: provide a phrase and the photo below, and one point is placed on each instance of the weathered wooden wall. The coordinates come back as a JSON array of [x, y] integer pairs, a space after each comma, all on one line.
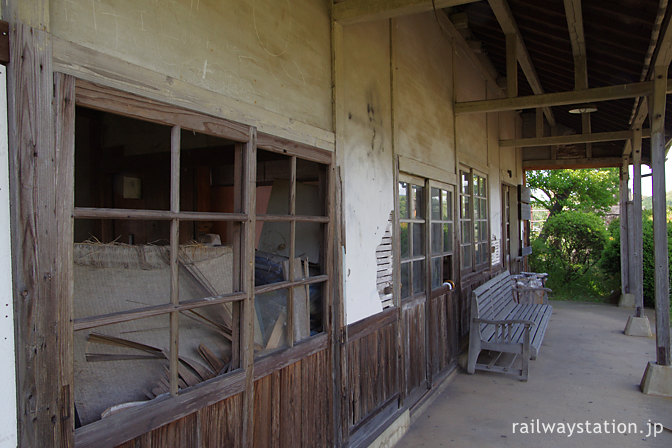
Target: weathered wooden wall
[[442, 332], [373, 372], [292, 407]]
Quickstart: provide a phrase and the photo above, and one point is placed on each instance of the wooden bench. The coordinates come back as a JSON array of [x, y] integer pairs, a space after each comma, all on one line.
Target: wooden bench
[[501, 325]]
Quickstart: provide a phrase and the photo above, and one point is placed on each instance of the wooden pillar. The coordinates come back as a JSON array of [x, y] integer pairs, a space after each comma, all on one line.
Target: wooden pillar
[[623, 190], [511, 66], [661, 262], [637, 280], [42, 196]]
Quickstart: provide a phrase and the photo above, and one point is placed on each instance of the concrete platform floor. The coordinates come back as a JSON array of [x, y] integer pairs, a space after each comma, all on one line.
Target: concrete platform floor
[[587, 370]]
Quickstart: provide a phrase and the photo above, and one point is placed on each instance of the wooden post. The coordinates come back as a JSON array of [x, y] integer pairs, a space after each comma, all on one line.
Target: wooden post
[[41, 195], [637, 281], [511, 66], [623, 190], [661, 262]]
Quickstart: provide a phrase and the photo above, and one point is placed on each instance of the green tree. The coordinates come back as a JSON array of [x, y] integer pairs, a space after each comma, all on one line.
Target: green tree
[[594, 190]]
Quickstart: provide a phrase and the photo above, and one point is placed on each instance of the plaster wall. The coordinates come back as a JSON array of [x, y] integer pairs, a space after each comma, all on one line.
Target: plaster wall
[[423, 92], [274, 54], [365, 155]]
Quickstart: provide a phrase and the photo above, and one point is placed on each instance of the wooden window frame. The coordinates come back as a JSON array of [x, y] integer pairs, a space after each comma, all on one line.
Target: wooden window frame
[[471, 173], [442, 186], [410, 180], [180, 403]]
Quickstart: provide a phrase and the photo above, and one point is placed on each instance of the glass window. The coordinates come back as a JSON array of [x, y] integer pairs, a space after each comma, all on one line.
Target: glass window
[[474, 234], [441, 236], [412, 237]]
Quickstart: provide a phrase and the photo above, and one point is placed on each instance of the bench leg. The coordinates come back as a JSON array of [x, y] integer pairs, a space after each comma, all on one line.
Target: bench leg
[[474, 351], [525, 360]]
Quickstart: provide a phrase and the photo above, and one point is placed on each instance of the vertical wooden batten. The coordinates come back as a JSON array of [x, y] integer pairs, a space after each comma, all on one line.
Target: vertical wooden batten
[[41, 167]]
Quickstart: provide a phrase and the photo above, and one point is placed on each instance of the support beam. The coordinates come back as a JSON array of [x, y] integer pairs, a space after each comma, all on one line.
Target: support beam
[[356, 11], [539, 115], [508, 24], [511, 66], [593, 95], [623, 215], [575, 164], [578, 42], [571, 139], [637, 282], [661, 262]]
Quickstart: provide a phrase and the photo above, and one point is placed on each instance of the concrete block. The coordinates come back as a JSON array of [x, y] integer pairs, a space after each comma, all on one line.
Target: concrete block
[[627, 300], [638, 326], [393, 433], [657, 380]]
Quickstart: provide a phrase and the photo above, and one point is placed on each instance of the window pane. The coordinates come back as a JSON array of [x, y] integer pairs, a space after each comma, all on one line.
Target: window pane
[[465, 211], [484, 252], [466, 257], [465, 182], [418, 276], [466, 232], [436, 203], [405, 280], [477, 254], [418, 239], [404, 240], [483, 229], [484, 208], [477, 234], [448, 237], [107, 372], [121, 162], [447, 268], [311, 186], [437, 238], [272, 251], [115, 277], [270, 326], [418, 201], [436, 272], [273, 173], [309, 245], [207, 339], [207, 176], [446, 205], [403, 200]]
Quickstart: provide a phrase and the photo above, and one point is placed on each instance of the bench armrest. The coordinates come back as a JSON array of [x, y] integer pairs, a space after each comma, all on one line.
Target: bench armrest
[[527, 323]]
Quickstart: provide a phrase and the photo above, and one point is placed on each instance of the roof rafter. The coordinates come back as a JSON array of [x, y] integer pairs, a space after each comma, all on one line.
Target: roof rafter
[[571, 139], [508, 24]]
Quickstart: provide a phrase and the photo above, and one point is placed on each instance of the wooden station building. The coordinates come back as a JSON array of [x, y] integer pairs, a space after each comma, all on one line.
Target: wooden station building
[[259, 222]]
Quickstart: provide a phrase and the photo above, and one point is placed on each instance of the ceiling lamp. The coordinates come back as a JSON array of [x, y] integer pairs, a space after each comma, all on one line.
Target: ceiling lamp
[[583, 109]]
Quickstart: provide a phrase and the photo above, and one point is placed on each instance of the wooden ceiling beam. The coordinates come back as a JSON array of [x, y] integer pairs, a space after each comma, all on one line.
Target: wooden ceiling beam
[[508, 24], [355, 11], [571, 139], [578, 41], [593, 95], [574, 164]]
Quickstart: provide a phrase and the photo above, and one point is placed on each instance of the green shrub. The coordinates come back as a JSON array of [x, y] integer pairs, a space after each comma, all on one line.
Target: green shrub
[[611, 257], [575, 243]]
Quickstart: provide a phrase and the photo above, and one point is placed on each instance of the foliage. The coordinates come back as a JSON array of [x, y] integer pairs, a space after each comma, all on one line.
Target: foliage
[[592, 190], [574, 244], [611, 259]]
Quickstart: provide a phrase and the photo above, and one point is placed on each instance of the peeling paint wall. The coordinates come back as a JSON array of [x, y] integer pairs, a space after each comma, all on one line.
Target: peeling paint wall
[[368, 181], [399, 81], [270, 53]]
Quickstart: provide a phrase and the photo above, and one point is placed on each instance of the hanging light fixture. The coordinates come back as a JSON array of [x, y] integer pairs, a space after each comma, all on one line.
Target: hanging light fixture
[[583, 109]]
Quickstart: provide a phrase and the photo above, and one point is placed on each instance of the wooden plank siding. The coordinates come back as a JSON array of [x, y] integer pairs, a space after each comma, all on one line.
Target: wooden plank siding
[[443, 339], [373, 378], [415, 350]]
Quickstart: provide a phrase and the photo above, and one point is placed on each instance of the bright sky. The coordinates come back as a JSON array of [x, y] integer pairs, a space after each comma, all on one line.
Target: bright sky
[[646, 182]]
